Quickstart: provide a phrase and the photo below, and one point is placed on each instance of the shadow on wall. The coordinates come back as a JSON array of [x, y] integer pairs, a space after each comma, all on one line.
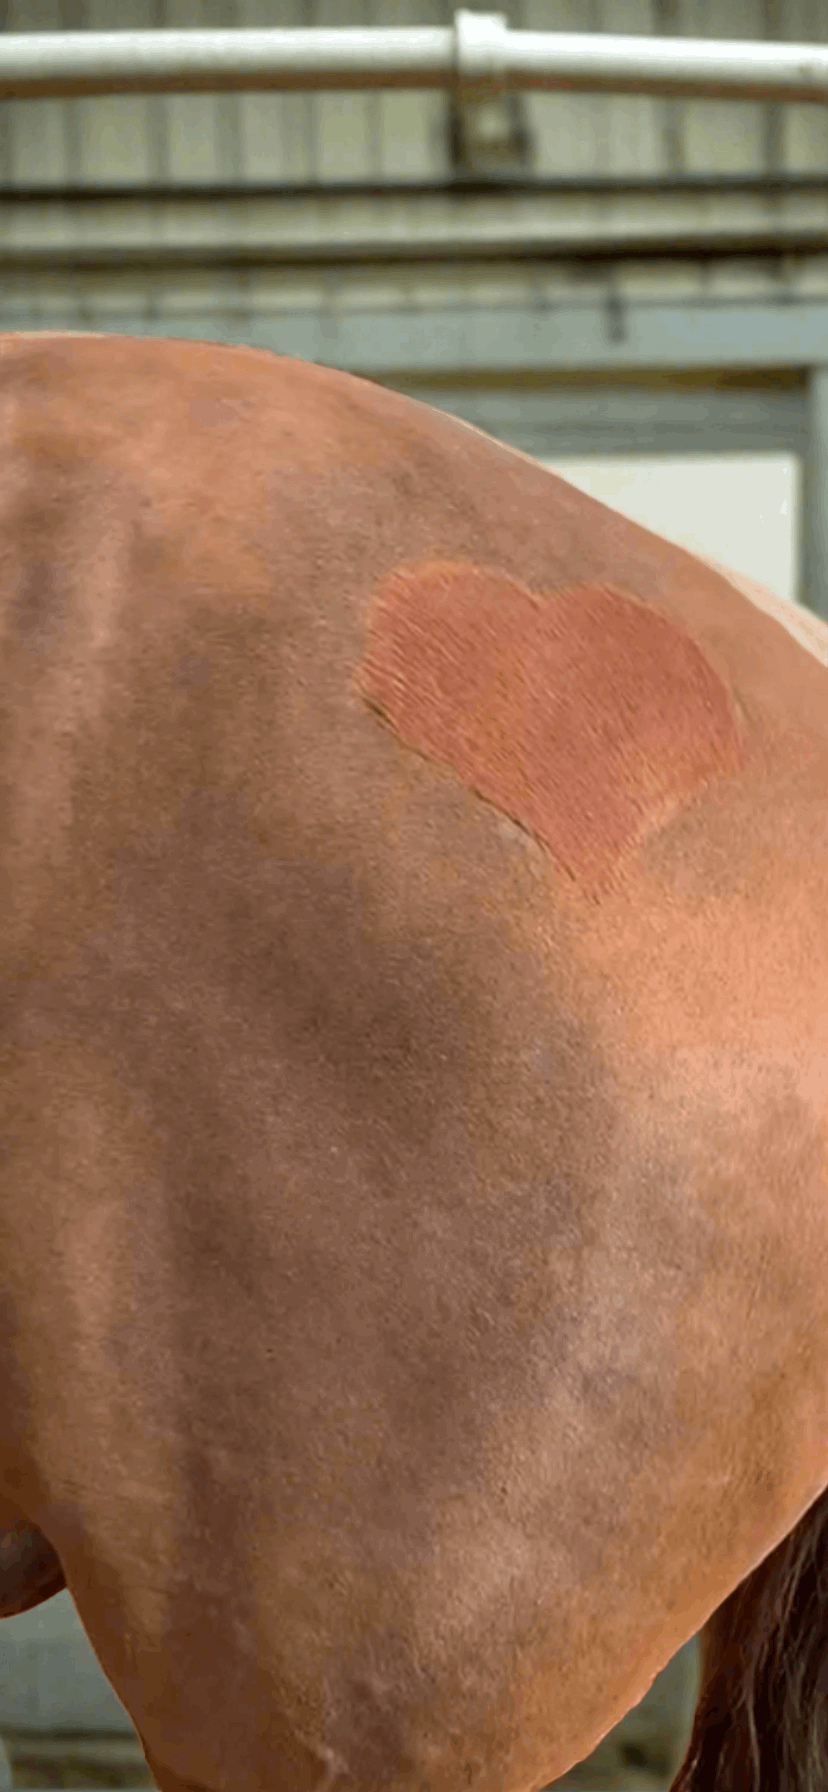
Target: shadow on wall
[[60, 1715]]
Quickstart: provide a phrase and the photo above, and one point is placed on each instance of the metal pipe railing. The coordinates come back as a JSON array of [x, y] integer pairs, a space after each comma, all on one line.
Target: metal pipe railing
[[477, 54]]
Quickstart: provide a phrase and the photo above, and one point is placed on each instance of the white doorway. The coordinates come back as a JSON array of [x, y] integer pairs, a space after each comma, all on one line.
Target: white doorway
[[740, 509]]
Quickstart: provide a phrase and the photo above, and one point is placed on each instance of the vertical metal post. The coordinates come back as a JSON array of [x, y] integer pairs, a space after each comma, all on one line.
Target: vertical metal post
[[813, 553]]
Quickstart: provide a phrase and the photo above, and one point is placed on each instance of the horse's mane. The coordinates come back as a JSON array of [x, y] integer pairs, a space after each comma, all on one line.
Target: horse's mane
[[761, 1722]]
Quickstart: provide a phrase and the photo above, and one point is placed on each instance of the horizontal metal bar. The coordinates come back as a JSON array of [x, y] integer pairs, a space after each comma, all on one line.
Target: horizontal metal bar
[[478, 52], [683, 67], [569, 419], [458, 189], [396, 343], [65, 64], [443, 226]]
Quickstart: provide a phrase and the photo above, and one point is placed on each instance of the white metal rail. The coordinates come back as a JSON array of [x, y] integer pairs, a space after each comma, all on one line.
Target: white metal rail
[[478, 52]]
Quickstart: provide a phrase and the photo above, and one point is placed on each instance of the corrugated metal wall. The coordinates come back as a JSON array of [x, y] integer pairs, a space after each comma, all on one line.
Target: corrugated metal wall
[[337, 227], [234, 139]]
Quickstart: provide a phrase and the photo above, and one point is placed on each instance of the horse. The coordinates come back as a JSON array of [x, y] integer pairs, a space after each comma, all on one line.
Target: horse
[[413, 1097]]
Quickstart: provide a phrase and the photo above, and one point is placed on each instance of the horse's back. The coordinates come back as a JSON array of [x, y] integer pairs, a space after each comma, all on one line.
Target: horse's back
[[413, 1183]]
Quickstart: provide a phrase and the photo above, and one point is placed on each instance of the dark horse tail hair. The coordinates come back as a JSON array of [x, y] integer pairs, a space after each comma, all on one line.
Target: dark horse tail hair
[[761, 1721]]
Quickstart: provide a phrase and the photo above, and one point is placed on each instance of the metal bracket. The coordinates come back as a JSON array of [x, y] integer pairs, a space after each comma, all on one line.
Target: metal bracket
[[480, 50], [488, 130]]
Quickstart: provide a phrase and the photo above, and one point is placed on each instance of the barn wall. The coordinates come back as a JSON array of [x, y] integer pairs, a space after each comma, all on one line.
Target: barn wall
[[366, 138]]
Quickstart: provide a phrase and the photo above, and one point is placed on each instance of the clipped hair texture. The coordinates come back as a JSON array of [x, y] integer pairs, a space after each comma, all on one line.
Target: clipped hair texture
[[585, 715]]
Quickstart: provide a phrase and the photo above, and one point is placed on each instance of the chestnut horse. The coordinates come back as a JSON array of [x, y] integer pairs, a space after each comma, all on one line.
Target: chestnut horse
[[414, 1090]]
